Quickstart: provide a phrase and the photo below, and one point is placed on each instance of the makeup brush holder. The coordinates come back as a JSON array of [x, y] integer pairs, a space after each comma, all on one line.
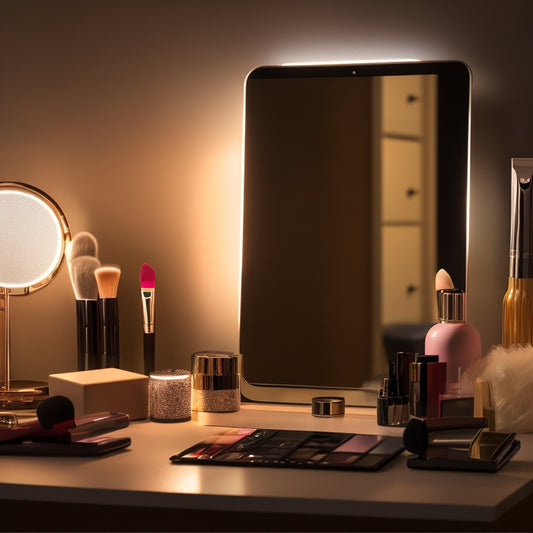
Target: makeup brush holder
[[216, 382]]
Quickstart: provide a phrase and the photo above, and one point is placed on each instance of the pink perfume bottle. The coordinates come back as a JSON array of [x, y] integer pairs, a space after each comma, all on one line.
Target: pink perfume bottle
[[455, 341]]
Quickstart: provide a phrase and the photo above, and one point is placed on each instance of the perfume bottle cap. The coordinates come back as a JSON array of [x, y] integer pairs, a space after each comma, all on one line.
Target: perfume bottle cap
[[451, 305]]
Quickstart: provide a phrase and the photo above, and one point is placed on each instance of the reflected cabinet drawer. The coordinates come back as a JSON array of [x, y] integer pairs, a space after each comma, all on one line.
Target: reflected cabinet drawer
[[401, 295], [401, 98], [401, 180]]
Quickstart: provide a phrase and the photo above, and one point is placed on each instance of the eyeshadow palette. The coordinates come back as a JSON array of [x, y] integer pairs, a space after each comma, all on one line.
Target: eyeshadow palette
[[296, 449]]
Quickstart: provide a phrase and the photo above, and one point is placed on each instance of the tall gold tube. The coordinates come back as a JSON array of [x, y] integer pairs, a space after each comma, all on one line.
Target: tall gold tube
[[518, 313], [517, 323]]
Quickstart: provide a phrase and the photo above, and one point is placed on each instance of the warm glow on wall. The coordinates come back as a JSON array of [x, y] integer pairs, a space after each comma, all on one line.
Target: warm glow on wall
[[216, 246], [348, 62]]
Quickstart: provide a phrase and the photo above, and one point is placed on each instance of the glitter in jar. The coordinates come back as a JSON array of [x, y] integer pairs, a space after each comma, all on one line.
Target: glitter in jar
[[225, 400], [170, 395], [216, 382]]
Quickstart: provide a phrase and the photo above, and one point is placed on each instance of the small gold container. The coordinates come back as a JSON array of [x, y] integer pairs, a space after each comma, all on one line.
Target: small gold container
[[327, 406], [216, 382]]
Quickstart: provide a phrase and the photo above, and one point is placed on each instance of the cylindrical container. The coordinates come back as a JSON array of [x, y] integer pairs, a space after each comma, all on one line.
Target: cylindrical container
[[169, 393], [517, 323], [216, 381], [456, 342], [428, 382], [518, 313], [328, 406], [393, 409], [403, 368]]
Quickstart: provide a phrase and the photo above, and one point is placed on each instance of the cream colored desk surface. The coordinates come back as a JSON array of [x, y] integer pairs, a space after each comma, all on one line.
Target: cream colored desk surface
[[142, 476]]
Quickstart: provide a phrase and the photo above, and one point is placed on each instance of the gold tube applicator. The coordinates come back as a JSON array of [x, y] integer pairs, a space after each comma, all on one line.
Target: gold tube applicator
[[517, 325]]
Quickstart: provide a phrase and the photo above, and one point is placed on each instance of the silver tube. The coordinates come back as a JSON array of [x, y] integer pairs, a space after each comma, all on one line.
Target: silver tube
[[521, 245]]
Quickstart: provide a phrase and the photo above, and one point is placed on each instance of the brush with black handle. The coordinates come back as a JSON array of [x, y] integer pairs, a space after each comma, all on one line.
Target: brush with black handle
[[82, 270], [147, 277], [107, 279]]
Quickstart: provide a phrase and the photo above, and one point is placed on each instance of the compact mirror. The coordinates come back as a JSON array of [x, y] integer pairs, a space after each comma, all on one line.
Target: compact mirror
[[355, 194], [33, 236]]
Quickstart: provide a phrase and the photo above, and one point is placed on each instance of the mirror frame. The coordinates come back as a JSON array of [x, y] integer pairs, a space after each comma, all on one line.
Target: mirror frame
[[27, 393], [453, 128], [49, 202]]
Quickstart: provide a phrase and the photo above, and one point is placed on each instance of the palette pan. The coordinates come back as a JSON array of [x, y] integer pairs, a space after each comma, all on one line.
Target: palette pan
[[293, 449]]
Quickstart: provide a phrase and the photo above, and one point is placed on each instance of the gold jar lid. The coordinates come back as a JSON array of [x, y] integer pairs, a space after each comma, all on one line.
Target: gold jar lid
[[328, 406], [216, 370]]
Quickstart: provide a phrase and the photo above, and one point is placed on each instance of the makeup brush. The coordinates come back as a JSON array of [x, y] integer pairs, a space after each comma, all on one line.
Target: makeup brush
[[83, 280], [147, 278], [55, 412], [107, 278], [83, 244]]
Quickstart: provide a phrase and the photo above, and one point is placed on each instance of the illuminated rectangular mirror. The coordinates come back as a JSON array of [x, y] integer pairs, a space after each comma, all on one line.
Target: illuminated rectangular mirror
[[355, 193]]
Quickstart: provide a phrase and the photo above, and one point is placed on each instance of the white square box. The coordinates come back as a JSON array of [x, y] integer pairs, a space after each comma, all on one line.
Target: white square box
[[105, 389]]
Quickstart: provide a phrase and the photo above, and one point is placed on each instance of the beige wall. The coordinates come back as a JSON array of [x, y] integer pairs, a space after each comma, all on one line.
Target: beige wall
[[129, 114]]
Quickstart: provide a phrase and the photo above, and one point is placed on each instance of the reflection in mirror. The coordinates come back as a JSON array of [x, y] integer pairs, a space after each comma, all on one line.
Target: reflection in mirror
[[355, 191], [33, 237]]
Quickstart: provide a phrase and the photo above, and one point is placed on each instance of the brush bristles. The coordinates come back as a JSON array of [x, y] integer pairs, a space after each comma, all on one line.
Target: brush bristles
[[107, 278], [147, 277], [83, 244], [82, 276]]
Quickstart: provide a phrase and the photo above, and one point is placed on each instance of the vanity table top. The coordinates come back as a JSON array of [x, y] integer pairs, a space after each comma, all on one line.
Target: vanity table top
[[142, 476]]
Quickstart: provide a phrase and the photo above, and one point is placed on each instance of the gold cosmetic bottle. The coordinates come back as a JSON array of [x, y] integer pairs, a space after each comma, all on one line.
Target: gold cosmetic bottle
[[517, 324]]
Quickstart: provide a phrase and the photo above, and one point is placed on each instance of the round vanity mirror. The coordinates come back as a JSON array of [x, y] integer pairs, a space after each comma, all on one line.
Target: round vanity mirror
[[33, 236]]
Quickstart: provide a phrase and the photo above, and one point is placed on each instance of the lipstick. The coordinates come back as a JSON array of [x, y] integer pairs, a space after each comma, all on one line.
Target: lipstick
[[428, 383]]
